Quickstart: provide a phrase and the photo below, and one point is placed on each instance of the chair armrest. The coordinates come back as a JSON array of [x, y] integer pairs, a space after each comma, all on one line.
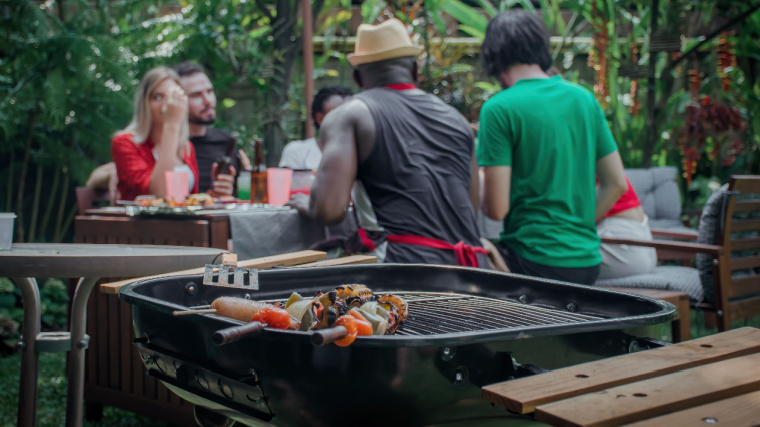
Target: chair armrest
[[662, 232], [684, 247]]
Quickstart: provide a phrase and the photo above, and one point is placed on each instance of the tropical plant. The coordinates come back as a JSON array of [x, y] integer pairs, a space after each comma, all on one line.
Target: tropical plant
[[64, 82], [629, 54]]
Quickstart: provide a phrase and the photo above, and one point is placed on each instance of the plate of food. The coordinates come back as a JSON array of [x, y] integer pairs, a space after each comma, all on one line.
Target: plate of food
[[150, 205]]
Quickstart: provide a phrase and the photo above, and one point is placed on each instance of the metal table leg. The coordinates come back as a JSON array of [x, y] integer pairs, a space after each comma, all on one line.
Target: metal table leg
[[79, 342], [27, 398]]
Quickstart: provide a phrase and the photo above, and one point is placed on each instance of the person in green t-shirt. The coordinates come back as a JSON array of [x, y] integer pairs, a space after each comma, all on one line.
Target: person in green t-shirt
[[542, 141]]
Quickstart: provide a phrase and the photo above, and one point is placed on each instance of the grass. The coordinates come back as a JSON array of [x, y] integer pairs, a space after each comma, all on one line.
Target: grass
[[699, 329], [51, 396]]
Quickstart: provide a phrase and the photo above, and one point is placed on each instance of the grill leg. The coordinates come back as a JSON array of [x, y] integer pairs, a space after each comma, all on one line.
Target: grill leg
[[27, 399], [79, 342]]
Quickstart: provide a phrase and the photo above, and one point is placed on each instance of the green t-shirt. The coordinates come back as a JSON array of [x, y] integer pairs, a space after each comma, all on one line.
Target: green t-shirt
[[551, 132]]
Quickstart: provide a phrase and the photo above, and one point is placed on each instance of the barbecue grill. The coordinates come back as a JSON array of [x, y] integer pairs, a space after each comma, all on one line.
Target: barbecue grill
[[467, 328]]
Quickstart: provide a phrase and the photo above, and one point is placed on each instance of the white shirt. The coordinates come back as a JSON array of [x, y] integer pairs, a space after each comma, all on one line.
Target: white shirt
[[301, 155]]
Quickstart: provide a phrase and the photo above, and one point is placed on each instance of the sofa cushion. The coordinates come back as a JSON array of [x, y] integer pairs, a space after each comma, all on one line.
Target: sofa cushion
[[670, 278], [658, 192]]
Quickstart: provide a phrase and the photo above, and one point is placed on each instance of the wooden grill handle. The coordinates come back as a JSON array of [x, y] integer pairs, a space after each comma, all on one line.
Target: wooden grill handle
[[329, 335], [228, 335]]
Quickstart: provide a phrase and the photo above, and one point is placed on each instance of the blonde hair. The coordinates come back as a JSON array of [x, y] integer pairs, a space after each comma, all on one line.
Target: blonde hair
[[142, 121]]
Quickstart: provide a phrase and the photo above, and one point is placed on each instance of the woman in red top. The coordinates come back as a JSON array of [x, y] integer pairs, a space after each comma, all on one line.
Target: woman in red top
[[156, 141], [626, 220]]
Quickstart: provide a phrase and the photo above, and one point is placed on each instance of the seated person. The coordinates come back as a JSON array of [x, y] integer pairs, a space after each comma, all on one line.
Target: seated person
[[541, 142], [210, 143], [306, 154], [104, 178], [626, 220], [156, 140]]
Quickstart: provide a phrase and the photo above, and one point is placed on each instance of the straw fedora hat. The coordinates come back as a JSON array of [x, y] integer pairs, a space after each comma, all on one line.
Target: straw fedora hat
[[386, 40]]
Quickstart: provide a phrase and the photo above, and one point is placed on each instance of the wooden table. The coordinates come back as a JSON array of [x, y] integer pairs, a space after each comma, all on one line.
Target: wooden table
[[112, 225], [711, 380], [24, 262]]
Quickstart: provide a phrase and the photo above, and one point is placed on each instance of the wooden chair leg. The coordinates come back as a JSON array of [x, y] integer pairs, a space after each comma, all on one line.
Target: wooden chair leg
[[724, 323], [681, 327], [711, 319]]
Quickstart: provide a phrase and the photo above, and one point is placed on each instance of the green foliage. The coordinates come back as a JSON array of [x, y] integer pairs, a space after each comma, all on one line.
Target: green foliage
[[627, 24], [70, 70], [54, 301], [62, 86], [51, 395]]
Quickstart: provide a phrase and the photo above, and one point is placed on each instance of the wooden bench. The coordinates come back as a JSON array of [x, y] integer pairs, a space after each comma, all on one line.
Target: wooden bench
[[681, 325], [708, 380]]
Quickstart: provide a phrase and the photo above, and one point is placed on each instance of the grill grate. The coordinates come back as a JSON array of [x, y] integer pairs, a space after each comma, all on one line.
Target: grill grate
[[432, 313], [439, 313]]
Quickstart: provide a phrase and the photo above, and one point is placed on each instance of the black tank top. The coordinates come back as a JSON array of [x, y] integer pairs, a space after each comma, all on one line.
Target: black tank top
[[417, 176]]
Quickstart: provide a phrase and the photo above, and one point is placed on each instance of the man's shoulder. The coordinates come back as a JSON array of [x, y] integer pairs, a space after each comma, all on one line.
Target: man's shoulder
[[577, 89]]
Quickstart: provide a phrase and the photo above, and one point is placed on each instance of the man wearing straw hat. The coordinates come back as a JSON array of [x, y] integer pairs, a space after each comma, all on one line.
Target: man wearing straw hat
[[403, 156]]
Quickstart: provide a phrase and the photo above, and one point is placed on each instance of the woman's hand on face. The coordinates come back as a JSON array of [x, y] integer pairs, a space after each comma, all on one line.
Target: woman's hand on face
[[175, 105]]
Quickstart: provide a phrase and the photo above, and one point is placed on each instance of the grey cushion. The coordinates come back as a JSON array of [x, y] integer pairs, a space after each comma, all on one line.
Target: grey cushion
[[670, 278], [659, 195]]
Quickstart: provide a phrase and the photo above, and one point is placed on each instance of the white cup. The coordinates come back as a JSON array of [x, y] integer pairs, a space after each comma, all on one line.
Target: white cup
[[6, 229]]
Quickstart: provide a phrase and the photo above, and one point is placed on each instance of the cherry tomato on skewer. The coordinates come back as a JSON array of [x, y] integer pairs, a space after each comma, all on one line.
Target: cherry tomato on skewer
[[274, 317]]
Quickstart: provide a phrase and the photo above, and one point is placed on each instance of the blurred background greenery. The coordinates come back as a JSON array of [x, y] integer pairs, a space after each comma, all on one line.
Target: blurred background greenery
[[69, 70]]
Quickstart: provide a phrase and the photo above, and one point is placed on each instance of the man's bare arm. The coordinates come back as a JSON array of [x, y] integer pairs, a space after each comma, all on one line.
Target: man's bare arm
[[331, 191], [612, 185], [496, 186]]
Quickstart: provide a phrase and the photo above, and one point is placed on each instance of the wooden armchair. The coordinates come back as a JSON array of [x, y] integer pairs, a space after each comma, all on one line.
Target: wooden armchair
[[735, 259]]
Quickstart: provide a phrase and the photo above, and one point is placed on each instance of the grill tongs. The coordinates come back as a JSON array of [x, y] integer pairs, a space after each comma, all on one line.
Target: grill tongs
[[234, 333]]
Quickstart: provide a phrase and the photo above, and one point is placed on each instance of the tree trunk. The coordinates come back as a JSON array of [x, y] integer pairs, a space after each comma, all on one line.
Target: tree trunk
[[51, 199], [648, 149], [62, 204], [22, 179], [9, 185], [67, 224], [283, 27], [36, 203]]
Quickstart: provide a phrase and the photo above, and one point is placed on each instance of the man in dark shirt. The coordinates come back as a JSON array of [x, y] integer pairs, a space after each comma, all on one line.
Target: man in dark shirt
[[403, 156], [211, 144]]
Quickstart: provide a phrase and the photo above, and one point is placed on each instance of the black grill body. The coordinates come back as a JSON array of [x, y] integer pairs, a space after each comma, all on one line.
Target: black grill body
[[467, 328]]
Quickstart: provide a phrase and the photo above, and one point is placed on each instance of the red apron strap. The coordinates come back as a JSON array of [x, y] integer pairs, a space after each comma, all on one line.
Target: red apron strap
[[467, 256], [366, 241]]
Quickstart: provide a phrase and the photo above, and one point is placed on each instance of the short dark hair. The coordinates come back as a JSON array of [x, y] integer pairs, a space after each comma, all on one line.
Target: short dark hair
[[188, 68], [515, 37], [327, 92]]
